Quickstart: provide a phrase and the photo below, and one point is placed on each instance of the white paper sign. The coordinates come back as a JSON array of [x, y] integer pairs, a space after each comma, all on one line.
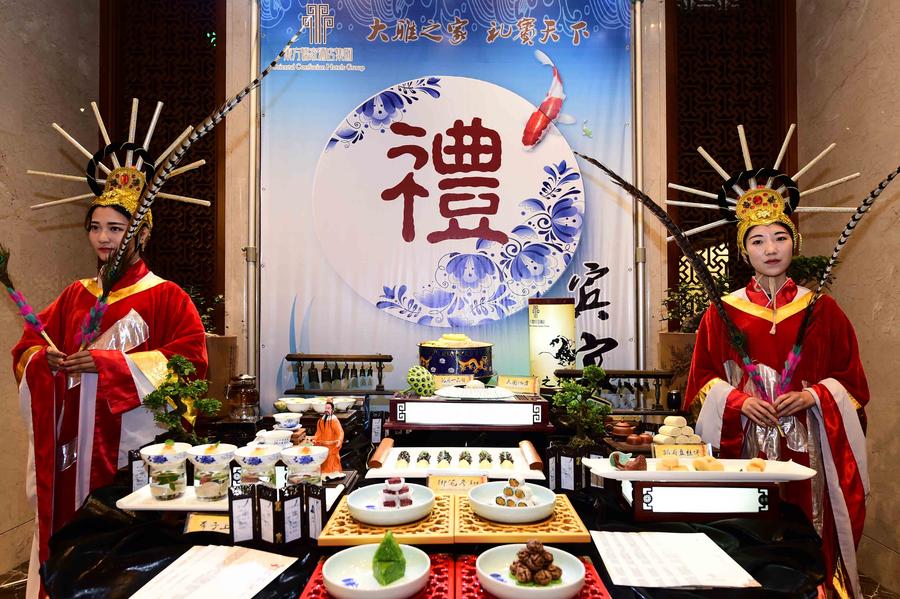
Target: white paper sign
[[216, 571], [668, 560]]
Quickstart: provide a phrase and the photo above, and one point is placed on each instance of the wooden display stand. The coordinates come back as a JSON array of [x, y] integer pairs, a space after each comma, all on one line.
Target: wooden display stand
[[657, 501]]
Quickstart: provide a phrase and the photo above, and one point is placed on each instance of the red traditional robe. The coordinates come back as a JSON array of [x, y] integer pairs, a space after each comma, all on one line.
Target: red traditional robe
[[829, 368], [99, 417]]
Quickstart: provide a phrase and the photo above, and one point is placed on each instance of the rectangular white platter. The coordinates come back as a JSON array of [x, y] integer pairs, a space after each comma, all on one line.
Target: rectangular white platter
[[520, 466], [775, 472], [141, 500]]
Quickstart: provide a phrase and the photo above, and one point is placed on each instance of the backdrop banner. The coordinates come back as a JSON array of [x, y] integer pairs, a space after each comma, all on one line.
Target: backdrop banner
[[418, 178]]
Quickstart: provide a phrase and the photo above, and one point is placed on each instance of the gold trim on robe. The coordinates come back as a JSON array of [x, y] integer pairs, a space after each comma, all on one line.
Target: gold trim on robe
[[23, 361], [700, 398], [147, 281], [782, 313], [152, 365]]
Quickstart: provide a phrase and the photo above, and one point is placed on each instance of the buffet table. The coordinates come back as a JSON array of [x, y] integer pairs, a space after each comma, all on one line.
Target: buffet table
[[111, 553]]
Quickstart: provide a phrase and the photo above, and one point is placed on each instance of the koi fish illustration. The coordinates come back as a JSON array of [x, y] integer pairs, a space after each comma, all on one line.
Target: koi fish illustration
[[549, 110]]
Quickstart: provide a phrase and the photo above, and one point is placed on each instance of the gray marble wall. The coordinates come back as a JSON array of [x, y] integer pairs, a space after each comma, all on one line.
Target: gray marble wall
[[49, 64], [849, 92]]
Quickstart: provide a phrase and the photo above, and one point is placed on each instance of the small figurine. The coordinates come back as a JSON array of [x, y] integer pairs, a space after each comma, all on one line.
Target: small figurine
[[330, 434]]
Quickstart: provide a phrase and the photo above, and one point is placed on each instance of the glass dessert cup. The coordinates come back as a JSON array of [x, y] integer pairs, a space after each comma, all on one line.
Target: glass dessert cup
[[258, 463], [304, 463], [211, 472], [166, 462]]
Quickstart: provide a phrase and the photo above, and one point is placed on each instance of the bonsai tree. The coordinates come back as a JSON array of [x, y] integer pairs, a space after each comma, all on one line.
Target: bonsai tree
[[181, 399], [576, 398]]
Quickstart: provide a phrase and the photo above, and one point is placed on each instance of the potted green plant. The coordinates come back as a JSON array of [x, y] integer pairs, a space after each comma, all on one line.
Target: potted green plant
[[178, 397], [579, 408], [807, 270]]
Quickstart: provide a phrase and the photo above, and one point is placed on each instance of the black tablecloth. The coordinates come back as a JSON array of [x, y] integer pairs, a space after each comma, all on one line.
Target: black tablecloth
[[106, 552]]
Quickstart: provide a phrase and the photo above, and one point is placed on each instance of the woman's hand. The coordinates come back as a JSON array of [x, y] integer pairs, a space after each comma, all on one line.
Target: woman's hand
[[793, 402], [759, 411], [55, 359], [80, 362]]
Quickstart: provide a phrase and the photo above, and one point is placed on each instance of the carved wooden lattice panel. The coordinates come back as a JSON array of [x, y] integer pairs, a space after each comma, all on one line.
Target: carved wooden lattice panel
[[164, 51], [435, 529], [727, 71], [564, 526]]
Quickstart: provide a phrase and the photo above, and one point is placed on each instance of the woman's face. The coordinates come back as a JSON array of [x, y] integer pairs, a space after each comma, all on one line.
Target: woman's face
[[769, 248], [105, 230]]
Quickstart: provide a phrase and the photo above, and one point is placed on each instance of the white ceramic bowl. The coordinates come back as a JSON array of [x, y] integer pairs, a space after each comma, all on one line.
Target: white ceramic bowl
[[348, 574], [298, 456], [295, 404], [154, 454], [363, 505], [257, 456], [492, 568], [220, 456], [287, 419], [342, 404], [481, 498]]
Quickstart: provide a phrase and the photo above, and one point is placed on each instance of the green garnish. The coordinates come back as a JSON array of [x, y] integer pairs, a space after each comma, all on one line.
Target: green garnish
[[388, 563]]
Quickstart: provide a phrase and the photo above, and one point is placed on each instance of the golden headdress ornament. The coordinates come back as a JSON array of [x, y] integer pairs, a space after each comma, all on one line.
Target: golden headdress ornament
[[760, 196], [127, 168]]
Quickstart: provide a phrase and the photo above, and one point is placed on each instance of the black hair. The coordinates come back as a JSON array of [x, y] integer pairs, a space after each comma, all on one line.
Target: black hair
[[786, 228], [90, 213]]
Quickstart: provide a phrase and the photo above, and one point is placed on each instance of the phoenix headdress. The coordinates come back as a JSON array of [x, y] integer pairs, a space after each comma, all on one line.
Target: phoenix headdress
[[134, 182]]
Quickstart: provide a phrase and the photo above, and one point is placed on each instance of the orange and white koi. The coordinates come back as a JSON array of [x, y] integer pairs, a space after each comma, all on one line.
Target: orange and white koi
[[549, 110]]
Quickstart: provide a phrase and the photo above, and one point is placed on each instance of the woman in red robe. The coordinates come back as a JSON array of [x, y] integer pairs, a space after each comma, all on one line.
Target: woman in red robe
[[826, 397], [86, 403]]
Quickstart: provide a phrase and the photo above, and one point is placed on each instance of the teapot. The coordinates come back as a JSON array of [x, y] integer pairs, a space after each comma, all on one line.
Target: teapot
[[243, 398], [621, 429]]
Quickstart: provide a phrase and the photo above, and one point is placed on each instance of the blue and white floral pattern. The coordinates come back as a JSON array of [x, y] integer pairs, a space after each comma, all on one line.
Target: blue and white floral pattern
[[495, 280], [378, 112], [252, 461], [158, 459], [205, 459]]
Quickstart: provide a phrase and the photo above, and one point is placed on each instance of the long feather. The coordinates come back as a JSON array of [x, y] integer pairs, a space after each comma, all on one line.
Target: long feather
[[793, 358], [32, 320], [116, 267], [737, 338]]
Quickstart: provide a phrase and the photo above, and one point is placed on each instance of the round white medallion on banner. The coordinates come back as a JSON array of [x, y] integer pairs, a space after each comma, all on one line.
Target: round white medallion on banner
[[429, 206]]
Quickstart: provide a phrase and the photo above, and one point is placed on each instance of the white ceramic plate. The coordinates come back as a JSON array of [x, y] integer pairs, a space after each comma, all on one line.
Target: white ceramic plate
[[775, 472], [481, 498], [348, 574], [363, 505], [492, 568]]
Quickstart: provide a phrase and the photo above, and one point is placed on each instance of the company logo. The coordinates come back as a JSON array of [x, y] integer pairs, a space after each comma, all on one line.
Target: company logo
[[318, 22]]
